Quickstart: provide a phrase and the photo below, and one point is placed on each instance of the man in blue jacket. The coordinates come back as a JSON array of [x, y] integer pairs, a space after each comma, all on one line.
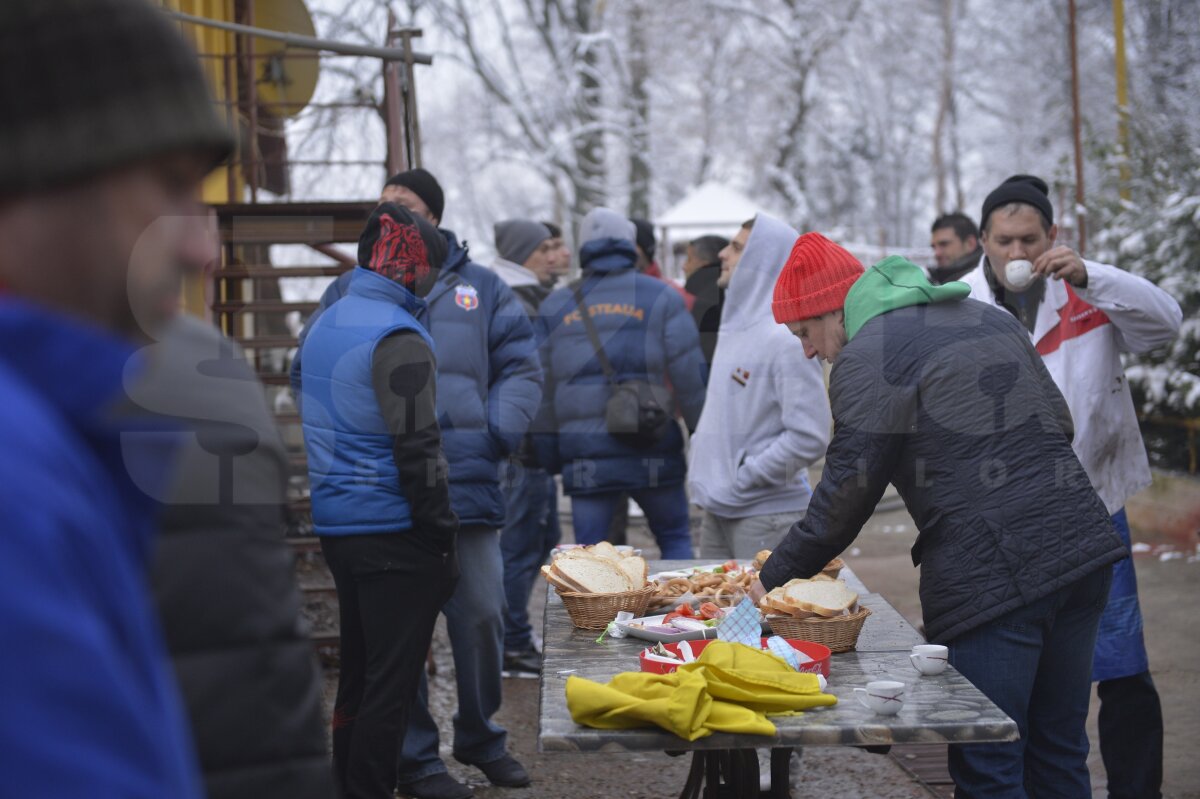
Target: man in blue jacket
[[647, 334], [489, 385], [107, 133], [389, 541]]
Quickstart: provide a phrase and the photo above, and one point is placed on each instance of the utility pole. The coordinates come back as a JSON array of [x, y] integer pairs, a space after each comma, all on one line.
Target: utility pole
[[1122, 95], [1080, 211]]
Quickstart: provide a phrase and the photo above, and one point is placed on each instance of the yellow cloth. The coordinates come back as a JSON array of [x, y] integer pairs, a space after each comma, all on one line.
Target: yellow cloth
[[729, 688]]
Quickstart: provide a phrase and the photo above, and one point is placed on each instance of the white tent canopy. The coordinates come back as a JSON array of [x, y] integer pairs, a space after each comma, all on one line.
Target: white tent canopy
[[711, 208]]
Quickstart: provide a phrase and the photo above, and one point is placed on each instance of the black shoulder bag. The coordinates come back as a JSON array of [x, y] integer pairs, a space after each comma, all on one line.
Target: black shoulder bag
[[637, 412]]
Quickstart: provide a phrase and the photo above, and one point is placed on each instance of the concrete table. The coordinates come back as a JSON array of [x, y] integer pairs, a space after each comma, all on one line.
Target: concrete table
[[945, 708]]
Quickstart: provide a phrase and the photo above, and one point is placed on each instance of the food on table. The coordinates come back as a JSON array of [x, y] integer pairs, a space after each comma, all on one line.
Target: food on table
[[721, 587], [819, 596], [599, 569], [831, 568]]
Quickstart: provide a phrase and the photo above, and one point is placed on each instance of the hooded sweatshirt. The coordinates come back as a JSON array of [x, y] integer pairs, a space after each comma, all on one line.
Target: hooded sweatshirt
[[890, 284], [523, 282], [766, 414]]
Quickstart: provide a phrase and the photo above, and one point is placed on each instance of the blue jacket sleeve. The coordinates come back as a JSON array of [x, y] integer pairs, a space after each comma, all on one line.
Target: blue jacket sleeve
[[685, 360], [333, 293], [71, 682], [516, 383]]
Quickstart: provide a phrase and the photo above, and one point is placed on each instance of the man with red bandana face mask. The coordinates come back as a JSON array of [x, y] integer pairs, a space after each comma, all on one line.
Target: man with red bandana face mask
[[380, 499]]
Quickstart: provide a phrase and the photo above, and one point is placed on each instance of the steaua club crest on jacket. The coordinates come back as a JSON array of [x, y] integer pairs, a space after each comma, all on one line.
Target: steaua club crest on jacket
[[466, 297]]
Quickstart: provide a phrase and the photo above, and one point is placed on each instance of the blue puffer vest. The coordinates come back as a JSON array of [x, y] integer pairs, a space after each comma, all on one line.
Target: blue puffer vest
[[351, 468], [489, 380]]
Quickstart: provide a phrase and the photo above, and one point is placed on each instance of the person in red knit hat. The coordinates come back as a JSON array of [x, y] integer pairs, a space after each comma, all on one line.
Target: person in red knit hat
[[945, 398]]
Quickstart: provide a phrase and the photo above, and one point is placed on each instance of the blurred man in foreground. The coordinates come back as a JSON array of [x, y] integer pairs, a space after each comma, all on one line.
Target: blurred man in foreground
[[108, 131]]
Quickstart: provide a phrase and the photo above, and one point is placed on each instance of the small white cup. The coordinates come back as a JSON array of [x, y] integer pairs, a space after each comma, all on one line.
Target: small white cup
[[1020, 274], [929, 659], [885, 697]]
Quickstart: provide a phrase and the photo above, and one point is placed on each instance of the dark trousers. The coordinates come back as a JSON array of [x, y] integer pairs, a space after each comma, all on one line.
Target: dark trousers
[[1131, 736], [1035, 663], [390, 591]]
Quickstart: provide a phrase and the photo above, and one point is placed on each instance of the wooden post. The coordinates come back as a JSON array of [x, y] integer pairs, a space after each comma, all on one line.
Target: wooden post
[[1080, 212], [1122, 95]]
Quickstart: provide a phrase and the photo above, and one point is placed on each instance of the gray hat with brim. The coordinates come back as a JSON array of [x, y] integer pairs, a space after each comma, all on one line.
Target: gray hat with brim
[[93, 85]]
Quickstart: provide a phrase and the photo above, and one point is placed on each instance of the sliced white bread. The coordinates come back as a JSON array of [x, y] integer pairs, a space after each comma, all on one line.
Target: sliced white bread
[[635, 569], [559, 582], [826, 598], [605, 550], [593, 575], [772, 603]]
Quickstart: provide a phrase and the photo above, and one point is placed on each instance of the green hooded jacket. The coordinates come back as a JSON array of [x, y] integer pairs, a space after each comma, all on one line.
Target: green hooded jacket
[[893, 283]]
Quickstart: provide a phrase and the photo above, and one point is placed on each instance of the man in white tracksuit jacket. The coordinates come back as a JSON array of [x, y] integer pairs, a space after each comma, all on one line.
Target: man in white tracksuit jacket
[[1081, 315], [766, 413]]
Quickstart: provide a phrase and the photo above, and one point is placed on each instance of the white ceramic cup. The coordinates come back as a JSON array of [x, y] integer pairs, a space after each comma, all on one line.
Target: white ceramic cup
[[929, 659], [885, 697], [1020, 274]]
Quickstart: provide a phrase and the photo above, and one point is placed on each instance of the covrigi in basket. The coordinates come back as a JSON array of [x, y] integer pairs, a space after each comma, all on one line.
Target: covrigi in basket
[[595, 611], [839, 633]]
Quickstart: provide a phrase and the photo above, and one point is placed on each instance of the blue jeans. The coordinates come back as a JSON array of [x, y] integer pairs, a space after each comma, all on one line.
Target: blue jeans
[[475, 621], [531, 530], [666, 510], [1035, 663]]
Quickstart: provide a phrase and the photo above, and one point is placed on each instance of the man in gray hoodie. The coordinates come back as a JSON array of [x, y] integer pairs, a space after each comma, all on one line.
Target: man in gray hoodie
[[766, 415]]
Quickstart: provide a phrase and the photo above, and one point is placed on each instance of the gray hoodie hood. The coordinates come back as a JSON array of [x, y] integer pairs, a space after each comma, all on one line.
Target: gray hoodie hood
[[748, 299], [766, 414]]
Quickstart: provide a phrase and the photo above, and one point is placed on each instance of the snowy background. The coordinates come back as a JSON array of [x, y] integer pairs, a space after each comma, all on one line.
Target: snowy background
[[860, 118]]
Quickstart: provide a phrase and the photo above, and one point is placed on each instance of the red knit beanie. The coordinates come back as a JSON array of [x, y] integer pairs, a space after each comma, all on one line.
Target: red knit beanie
[[815, 279]]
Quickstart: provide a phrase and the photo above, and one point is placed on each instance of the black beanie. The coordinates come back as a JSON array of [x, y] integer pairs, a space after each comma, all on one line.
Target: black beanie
[[92, 85], [423, 184], [401, 246], [1019, 189], [645, 236]]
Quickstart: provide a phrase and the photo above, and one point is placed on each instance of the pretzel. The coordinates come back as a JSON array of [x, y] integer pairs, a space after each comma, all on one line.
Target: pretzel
[[677, 586]]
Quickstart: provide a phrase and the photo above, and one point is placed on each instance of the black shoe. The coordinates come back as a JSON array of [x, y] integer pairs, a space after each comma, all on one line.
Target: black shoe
[[505, 772], [436, 786], [525, 664]]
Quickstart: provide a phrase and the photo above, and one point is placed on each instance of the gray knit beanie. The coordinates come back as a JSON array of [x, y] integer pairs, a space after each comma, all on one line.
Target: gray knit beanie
[[516, 239], [604, 223], [91, 85]]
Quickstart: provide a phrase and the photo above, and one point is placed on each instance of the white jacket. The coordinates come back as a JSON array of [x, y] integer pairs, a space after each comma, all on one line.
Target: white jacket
[[1080, 334], [766, 413]]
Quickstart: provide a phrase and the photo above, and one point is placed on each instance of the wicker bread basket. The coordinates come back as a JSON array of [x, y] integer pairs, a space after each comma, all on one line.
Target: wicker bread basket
[[839, 633], [595, 611]]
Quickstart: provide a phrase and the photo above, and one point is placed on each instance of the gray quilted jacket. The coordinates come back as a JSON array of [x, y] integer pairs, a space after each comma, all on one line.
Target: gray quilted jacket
[[951, 404]]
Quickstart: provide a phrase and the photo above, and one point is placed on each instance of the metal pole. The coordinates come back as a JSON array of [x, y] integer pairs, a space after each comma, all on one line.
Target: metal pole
[[410, 104], [252, 104], [1080, 212], [304, 42], [1122, 96], [397, 158]]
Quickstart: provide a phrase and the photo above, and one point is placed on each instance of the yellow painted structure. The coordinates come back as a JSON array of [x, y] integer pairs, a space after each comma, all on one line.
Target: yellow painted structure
[[212, 45]]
